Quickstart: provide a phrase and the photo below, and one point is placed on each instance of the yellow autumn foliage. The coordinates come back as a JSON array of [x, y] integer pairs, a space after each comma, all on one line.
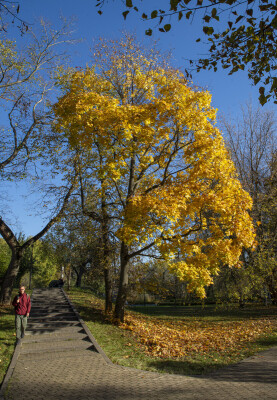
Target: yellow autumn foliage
[[162, 158]]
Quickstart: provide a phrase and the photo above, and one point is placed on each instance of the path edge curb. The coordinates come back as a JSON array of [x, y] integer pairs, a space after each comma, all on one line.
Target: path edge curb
[[88, 332]]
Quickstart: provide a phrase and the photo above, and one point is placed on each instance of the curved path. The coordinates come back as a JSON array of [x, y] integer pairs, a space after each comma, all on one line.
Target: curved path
[[60, 359]]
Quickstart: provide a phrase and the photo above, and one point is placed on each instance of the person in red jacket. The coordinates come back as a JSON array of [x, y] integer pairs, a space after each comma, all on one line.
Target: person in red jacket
[[22, 307]]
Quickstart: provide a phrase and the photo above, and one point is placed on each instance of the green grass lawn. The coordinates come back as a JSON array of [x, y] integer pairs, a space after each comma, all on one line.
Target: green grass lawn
[[123, 346], [7, 336]]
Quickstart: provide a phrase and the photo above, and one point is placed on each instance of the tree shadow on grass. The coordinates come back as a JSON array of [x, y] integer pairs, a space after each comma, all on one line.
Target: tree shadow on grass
[[90, 313], [269, 341], [211, 311], [261, 369], [6, 327], [185, 367], [7, 320]]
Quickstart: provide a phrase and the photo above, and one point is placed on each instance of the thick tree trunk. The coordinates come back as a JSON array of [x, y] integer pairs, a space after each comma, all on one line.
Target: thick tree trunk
[[79, 277], [124, 255], [108, 291], [123, 284], [10, 276]]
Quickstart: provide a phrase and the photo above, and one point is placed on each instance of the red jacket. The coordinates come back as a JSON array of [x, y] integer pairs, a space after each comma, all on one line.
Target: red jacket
[[24, 305]]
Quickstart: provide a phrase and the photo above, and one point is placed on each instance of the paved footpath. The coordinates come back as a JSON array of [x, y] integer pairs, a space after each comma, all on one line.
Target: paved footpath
[[60, 359]]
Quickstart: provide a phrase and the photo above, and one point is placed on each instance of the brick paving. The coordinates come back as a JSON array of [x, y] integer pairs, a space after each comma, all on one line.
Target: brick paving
[[59, 359]]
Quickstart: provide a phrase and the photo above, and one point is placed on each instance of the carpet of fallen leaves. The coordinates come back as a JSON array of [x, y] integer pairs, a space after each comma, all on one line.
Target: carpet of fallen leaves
[[174, 339], [177, 338]]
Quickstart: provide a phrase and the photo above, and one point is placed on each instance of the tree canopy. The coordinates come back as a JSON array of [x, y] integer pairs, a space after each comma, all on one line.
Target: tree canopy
[[241, 33], [159, 158]]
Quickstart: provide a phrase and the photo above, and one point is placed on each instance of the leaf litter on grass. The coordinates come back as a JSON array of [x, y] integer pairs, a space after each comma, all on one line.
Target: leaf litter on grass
[[175, 339]]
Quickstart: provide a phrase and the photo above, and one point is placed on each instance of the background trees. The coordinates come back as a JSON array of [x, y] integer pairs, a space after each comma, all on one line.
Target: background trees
[[18, 249], [5, 257], [159, 162], [26, 79], [39, 265], [75, 240], [252, 143], [152, 282]]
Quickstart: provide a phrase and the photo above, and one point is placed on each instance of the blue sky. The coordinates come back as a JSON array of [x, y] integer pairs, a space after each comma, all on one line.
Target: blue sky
[[228, 92]]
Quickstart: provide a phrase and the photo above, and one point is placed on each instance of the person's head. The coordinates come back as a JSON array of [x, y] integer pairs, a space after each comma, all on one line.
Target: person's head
[[21, 289]]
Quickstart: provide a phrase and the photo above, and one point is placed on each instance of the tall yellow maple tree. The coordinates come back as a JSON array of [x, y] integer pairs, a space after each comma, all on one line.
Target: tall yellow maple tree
[[163, 162]]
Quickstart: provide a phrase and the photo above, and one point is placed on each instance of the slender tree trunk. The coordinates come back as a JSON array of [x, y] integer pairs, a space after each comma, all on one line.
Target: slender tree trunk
[[106, 255], [272, 288], [10, 276], [108, 291], [69, 278], [123, 284], [107, 273]]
